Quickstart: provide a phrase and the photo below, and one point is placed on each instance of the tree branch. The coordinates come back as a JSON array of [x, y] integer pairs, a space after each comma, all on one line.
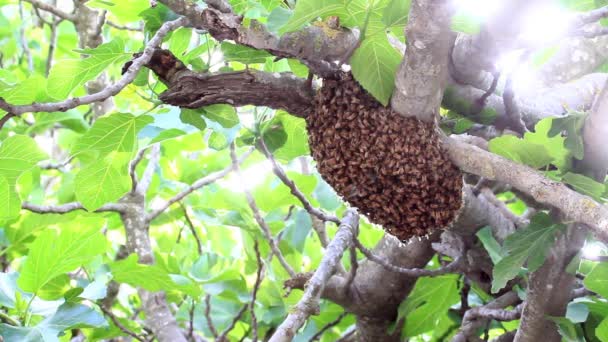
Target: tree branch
[[201, 182], [146, 178], [421, 78], [223, 24], [128, 77], [476, 317], [309, 304], [258, 217], [69, 207], [52, 9], [411, 272], [190, 89], [278, 171], [575, 206]]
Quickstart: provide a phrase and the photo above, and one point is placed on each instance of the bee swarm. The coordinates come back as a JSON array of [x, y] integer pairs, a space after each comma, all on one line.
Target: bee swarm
[[390, 167]]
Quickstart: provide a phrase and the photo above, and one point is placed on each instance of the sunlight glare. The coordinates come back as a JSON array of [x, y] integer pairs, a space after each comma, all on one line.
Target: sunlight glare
[[481, 9], [592, 250], [544, 24], [523, 76], [252, 177]]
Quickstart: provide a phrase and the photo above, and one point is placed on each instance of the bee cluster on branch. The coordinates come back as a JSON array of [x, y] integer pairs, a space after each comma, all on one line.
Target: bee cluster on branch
[[391, 167]]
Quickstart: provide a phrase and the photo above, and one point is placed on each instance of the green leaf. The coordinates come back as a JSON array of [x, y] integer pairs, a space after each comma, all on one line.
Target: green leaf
[[597, 279], [54, 253], [396, 13], [124, 11], [180, 40], [18, 154], [149, 277], [193, 117], [278, 18], [55, 288], [115, 132], [243, 54], [168, 134], [296, 143], [374, 65], [572, 125], [490, 244], [223, 114], [429, 301], [466, 23], [554, 145], [531, 243], [11, 203], [100, 183], [26, 91], [68, 316], [308, 10], [602, 330], [585, 185], [70, 119], [520, 150], [67, 75], [568, 330]]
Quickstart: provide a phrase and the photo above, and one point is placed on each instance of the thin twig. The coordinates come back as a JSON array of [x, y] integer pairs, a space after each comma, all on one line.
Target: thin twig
[[146, 178], [347, 336], [480, 103], [208, 316], [195, 186], [52, 46], [133, 165], [328, 326], [120, 326], [294, 190], [52, 9], [124, 27], [354, 265], [24, 44], [256, 286], [258, 216], [412, 272], [199, 245], [191, 322], [229, 328]]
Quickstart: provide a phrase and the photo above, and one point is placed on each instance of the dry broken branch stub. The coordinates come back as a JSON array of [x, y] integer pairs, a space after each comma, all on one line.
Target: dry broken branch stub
[[390, 167]]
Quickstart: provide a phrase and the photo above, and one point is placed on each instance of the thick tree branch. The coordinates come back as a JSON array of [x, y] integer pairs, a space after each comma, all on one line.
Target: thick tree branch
[[309, 304], [223, 24], [420, 81], [575, 206], [249, 87], [552, 101], [159, 317]]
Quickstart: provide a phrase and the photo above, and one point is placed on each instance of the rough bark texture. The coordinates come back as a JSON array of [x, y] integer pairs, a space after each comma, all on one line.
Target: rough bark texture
[[421, 77], [189, 89], [158, 315]]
